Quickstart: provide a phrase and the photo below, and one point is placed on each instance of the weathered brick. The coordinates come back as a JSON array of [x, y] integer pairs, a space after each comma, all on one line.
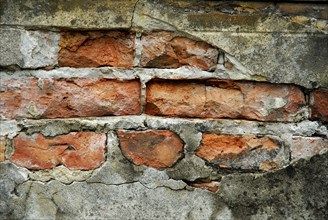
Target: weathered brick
[[319, 105], [212, 186], [3, 142], [225, 99], [242, 152], [94, 49], [61, 98], [167, 50], [76, 150], [304, 147], [153, 148]]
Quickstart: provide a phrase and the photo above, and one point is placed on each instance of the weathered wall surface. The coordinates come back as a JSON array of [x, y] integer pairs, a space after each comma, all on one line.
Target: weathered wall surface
[[163, 110]]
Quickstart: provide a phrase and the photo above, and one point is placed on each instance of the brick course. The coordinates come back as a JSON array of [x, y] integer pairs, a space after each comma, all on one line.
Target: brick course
[[224, 99], [63, 98]]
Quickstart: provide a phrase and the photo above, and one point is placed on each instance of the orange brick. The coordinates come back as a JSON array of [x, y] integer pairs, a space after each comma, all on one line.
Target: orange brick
[[3, 142], [319, 105], [224, 99], [240, 151], [62, 98], [94, 49], [167, 50], [76, 150], [153, 148]]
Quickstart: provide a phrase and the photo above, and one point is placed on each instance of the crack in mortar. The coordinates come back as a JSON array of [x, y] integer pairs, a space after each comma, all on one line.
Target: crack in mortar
[[133, 14]]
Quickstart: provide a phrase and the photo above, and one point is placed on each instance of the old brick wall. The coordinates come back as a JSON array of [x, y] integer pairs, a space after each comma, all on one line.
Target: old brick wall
[[163, 110]]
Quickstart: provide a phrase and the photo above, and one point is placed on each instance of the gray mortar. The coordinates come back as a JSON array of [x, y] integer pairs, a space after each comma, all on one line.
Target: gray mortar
[[188, 129]]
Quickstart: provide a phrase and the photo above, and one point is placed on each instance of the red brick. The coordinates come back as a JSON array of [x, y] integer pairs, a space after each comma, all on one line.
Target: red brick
[[81, 150], [62, 98], [3, 141], [94, 49], [319, 105], [304, 147], [210, 186], [224, 99], [241, 152], [153, 148], [167, 50]]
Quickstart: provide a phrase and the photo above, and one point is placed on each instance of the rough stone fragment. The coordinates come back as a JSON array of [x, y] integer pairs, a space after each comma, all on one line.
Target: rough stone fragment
[[242, 152], [28, 49], [62, 98], [319, 105], [306, 147], [226, 99], [39, 48], [157, 149], [76, 150], [210, 186], [3, 141], [197, 169], [95, 49], [60, 173], [167, 50]]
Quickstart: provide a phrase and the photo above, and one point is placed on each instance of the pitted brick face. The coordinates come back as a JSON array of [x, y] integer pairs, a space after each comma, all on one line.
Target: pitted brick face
[[76, 150], [225, 99], [319, 105], [63, 98], [153, 148], [94, 49], [241, 152], [167, 50]]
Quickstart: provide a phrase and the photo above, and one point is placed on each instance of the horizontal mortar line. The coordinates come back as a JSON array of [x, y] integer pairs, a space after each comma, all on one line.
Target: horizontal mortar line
[[306, 33], [77, 29], [105, 119]]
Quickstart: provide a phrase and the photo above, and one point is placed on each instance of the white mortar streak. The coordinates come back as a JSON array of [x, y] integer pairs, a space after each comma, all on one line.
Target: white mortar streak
[[138, 49]]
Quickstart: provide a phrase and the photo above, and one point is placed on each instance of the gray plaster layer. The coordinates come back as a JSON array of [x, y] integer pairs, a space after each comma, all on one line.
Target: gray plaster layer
[[28, 49], [273, 57], [165, 14], [294, 192], [229, 17], [90, 14]]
